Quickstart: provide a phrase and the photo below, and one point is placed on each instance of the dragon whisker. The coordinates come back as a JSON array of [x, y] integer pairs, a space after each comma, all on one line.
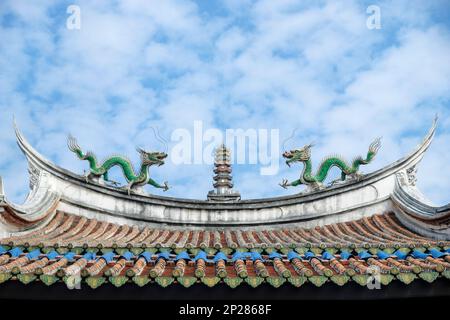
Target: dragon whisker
[[166, 148], [159, 138], [290, 137]]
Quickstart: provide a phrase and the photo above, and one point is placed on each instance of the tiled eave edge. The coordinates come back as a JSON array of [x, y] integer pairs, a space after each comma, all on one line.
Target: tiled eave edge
[[276, 282], [279, 270]]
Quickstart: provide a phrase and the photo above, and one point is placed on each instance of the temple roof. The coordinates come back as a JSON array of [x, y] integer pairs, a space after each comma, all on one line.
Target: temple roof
[[70, 228]]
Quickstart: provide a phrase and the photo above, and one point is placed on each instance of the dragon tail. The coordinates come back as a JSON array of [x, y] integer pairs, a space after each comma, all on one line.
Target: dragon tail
[[75, 148], [373, 149]]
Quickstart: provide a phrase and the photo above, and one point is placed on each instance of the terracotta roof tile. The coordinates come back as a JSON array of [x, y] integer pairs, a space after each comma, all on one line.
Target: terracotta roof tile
[[260, 255]]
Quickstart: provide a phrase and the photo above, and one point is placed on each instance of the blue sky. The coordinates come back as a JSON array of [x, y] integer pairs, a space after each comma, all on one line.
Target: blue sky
[[281, 65]]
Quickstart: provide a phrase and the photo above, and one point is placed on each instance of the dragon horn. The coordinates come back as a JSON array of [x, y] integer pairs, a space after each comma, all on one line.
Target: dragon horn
[[140, 150]]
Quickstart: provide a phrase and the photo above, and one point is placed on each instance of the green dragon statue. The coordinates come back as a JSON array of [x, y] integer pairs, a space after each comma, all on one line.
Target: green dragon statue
[[134, 180], [315, 182]]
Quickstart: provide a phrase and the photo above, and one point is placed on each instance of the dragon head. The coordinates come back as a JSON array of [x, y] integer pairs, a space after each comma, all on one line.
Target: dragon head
[[301, 155], [152, 158]]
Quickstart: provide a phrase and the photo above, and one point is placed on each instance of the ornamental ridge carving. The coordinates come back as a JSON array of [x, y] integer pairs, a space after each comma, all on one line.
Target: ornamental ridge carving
[[34, 176], [411, 174], [408, 177]]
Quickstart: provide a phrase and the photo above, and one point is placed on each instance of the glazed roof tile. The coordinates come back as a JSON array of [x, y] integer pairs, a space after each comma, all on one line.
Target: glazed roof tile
[[100, 252], [276, 267]]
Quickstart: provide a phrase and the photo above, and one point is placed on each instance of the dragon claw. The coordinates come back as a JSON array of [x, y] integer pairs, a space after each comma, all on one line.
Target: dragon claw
[[284, 184], [128, 188], [86, 177], [114, 183], [166, 186]]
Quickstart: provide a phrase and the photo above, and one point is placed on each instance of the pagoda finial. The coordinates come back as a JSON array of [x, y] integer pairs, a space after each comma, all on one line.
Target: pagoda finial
[[223, 180]]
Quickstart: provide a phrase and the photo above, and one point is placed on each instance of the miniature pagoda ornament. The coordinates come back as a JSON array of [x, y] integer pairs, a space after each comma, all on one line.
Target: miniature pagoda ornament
[[223, 181], [135, 180]]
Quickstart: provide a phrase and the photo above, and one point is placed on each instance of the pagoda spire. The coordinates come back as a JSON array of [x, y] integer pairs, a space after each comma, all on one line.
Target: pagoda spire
[[223, 180]]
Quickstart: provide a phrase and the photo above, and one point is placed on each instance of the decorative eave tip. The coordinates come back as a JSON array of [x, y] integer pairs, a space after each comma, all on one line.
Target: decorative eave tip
[[2, 192], [432, 130], [434, 125], [19, 138], [16, 128], [426, 142]]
